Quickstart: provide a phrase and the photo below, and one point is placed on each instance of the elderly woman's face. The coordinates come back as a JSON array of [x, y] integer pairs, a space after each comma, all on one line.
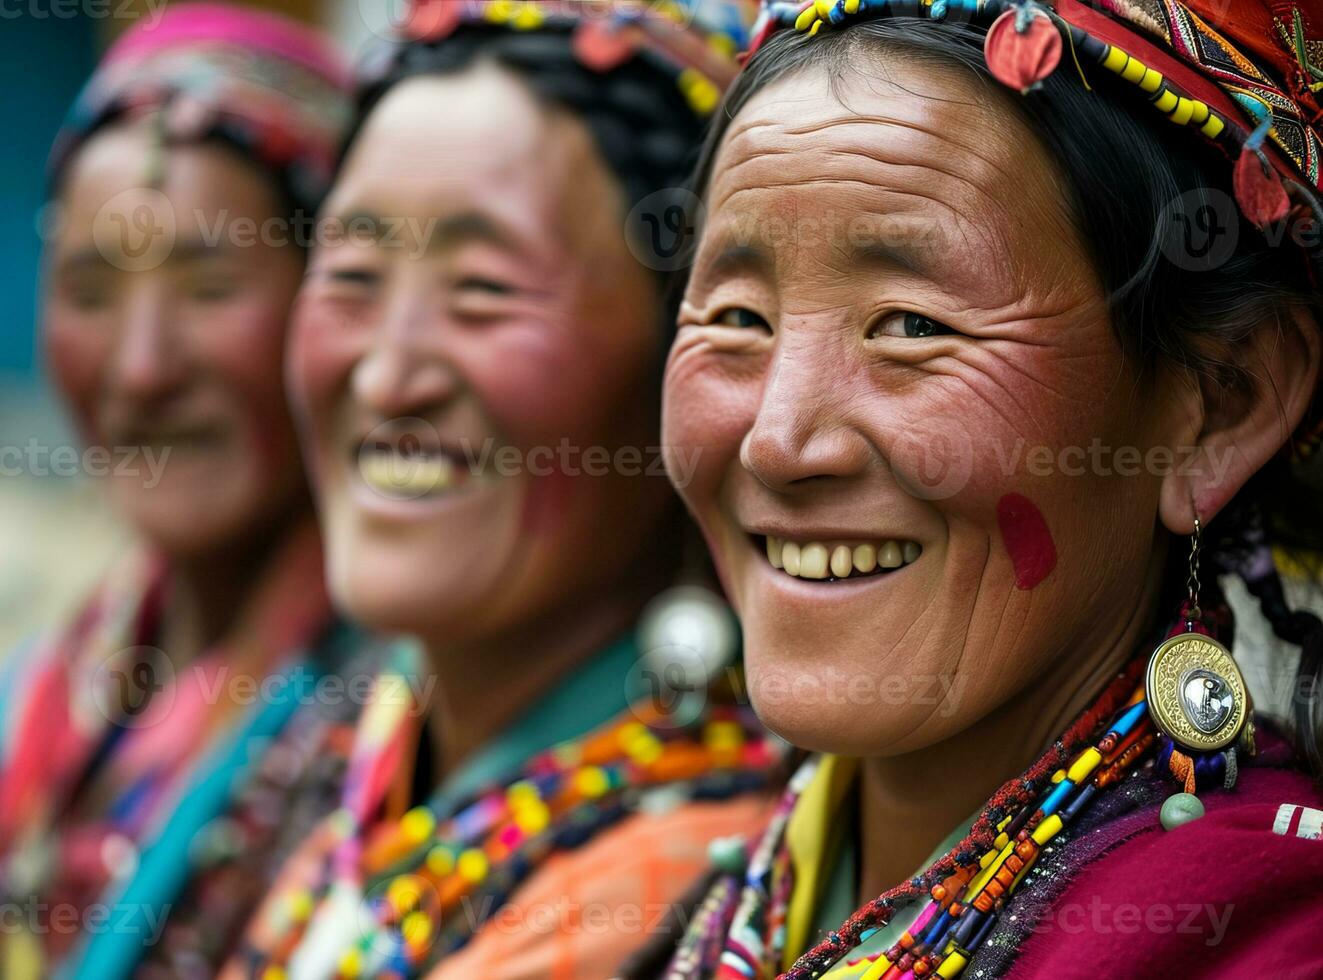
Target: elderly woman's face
[[164, 322], [469, 355], [896, 359]]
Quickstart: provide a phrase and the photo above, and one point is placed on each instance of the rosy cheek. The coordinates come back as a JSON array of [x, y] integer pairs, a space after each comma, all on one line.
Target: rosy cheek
[[1027, 539], [321, 357], [77, 355]]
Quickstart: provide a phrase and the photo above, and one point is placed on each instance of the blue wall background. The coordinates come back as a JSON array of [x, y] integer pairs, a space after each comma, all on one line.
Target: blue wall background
[[46, 60]]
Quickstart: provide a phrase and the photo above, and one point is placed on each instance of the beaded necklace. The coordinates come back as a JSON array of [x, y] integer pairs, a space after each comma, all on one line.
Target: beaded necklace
[[398, 896], [738, 931]]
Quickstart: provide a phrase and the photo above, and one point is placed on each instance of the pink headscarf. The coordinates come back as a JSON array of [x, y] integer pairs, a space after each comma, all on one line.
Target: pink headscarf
[[275, 88]]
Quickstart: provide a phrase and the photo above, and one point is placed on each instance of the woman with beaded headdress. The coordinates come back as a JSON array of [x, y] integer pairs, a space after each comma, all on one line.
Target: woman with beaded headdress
[[477, 365], [1002, 344], [161, 750]]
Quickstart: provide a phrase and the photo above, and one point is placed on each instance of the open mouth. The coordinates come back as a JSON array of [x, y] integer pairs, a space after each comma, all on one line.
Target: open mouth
[[408, 468], [836, 561]]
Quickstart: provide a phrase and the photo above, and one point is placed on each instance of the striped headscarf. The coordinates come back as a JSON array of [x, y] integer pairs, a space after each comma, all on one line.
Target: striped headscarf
[[273, 88]]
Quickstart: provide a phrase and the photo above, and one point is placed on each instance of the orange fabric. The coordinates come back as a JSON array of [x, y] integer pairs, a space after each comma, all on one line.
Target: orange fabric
[[586, 911]]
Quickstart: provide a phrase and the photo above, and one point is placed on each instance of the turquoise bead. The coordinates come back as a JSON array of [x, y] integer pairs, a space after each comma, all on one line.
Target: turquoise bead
[[728, 854], [1180, 808]]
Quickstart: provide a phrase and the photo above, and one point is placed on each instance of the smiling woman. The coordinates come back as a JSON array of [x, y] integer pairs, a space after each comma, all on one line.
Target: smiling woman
[[476, 370], [146, 793], [905, 270]]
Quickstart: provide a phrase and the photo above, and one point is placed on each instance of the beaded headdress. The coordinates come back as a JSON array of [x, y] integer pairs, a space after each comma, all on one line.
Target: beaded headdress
[[696, 40], [1245, 76], [274, 88]]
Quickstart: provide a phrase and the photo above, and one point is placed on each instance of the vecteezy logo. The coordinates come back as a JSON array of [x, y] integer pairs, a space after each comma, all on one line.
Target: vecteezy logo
[[130, 682], [1199, 229], [135, 230], [662, 229]]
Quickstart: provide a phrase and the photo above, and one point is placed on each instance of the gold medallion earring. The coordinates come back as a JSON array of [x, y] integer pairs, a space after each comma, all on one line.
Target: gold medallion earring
[[1197, 696]]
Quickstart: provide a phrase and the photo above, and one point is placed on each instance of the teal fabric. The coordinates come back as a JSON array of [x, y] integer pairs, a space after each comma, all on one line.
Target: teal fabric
[[165, 865], [587, 698]]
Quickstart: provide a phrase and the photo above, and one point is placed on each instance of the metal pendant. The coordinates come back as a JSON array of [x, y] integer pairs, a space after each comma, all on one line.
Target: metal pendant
[[1196, 694]]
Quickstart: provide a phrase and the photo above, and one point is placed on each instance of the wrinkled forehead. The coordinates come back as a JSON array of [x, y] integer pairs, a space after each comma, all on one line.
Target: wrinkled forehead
[[940, 164]]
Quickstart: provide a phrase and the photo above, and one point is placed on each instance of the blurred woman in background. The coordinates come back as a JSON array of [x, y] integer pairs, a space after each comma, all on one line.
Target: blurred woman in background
[[163, 749], [478, 377]]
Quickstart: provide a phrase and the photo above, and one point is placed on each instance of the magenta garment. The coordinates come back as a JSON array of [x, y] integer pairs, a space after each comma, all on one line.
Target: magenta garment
[[1236, 893]]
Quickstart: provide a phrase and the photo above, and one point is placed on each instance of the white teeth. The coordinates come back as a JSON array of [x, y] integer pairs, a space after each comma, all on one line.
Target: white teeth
[[401, 476], [813, 561], [817, 560]]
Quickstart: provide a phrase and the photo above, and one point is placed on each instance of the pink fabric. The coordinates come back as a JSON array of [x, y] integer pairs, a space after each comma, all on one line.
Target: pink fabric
[[1221, 896], [188, 23]]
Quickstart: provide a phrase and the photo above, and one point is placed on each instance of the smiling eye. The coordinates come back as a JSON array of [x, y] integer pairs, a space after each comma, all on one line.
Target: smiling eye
[[743, 319], [488, 287], [909, 325], [354, 277]]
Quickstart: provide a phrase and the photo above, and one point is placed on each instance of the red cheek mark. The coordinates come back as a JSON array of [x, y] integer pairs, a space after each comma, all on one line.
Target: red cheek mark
[[1027, 539]]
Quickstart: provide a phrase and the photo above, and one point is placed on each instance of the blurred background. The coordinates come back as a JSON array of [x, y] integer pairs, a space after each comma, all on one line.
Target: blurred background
[[56, 534]]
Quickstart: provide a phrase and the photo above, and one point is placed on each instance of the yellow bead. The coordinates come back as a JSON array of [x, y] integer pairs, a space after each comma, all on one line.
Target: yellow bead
[[724, 45], [1116, 60], [473, 865], [952, 964], [1085, 764], [403, 893], [351, 964], [529, 18], [533, 818], [521, 793], [440, 861], [1151, 81], [723, 735], [499, 11], [1166, 102], [274, 973], [1213, 128], [703, 96], [591, 782], [417, 929], [630, 732], [1134, 70], [646, 750], [1046, 830], [806, 18], [418, 824], [852, 6], [301, 905]]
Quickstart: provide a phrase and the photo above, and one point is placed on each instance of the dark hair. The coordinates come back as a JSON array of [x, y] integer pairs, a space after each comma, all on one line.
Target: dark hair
[[295, 208], [638, 116], [1120, 171]]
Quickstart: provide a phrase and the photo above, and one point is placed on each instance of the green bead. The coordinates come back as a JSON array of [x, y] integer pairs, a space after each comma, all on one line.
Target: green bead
[[1180, 808], [728, 854]]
